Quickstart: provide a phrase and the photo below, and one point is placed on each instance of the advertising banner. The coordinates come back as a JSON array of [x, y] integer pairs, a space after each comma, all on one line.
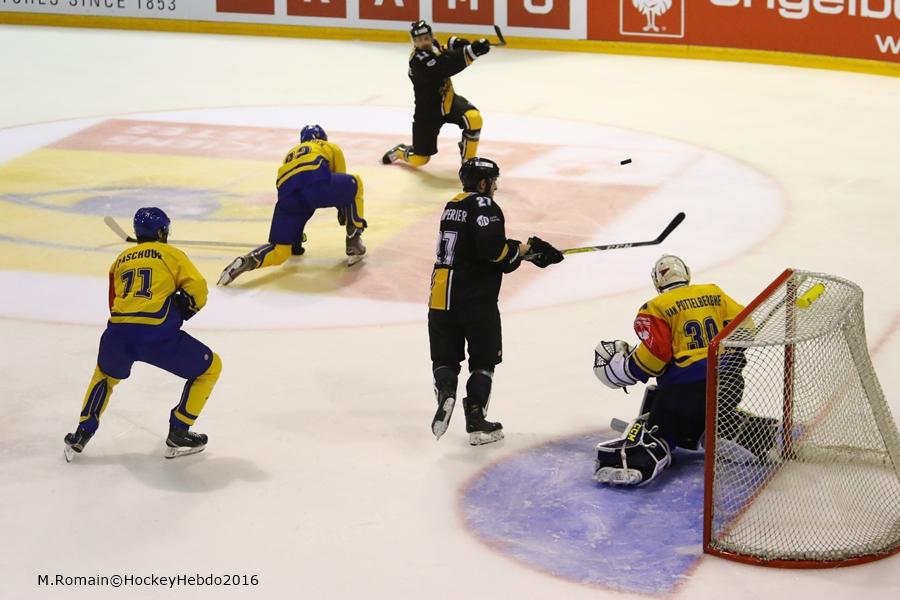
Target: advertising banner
[[861, 29], [561, 19], [868, 29]]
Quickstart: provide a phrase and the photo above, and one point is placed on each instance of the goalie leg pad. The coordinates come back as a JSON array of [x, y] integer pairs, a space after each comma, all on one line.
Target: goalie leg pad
[[636, 458], [756, 434]]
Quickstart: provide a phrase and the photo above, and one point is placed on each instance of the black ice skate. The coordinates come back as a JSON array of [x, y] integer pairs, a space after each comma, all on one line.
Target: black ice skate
[[182, 442], [356, 250], [394, 154], [446, 400], [480, 430], [75, 443]]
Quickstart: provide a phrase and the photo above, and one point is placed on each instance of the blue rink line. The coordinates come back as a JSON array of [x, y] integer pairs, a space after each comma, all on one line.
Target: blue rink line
[[542, 508]]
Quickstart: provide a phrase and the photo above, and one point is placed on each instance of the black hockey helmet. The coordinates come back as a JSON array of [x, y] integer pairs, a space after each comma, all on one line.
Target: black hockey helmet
[[420, 28], [476, 169]]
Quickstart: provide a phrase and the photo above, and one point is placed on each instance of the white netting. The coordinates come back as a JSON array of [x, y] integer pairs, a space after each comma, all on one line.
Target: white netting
[[806, 460]]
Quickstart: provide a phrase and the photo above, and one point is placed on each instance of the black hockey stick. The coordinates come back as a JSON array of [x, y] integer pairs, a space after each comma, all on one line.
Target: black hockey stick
[[500, 37], [117, 229], [676, 221]]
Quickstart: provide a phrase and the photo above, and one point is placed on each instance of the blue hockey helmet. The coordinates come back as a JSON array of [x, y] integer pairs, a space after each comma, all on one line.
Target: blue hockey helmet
[[313, 132], [148, 222]]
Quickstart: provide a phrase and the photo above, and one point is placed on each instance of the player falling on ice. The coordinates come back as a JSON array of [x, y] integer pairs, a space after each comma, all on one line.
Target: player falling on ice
[[313, 175], [674, 329], [473, 254], [153, 289], [430, 68]]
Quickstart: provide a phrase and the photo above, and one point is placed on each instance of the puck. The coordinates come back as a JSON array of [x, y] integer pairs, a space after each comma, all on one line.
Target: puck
[[625, 162]]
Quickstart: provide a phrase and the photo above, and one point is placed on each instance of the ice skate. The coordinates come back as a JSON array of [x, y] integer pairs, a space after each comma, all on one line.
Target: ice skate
[[480, 430], [394, 154], [446, 400], [75, 443], [241, 264], [356, 250], [183, 442]]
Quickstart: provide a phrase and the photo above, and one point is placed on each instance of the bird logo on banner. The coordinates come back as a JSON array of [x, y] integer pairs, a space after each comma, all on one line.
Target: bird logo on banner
[[652, 9]]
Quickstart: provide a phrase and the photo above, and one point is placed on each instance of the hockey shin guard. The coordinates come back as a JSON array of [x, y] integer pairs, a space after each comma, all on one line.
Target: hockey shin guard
[[196, 392], [96, 400]]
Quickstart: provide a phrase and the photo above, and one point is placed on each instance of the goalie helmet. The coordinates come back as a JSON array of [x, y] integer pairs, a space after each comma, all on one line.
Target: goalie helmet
[[475, 170], [313, 132], [669, 272], [151, 224]]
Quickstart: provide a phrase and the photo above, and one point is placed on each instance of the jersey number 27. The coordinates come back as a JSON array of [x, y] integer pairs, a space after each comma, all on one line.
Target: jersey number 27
[[445, 247]]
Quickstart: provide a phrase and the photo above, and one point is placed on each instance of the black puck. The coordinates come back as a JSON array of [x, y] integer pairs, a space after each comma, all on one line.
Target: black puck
[[625, 162]]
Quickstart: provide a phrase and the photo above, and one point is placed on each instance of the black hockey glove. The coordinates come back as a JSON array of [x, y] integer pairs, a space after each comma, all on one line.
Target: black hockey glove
[[457, 43], [481, 47], [543, 254], [185, 304]]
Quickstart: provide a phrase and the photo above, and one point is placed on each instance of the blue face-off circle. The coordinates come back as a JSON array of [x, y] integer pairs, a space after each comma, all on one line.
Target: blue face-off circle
[[542, 508]]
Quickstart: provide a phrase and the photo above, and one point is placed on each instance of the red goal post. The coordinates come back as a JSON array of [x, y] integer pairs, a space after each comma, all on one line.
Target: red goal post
[[802, 455]]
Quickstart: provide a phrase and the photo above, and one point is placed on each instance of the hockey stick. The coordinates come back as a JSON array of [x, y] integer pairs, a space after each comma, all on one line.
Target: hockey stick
[[500, 37], [117, 229], [676, 221]]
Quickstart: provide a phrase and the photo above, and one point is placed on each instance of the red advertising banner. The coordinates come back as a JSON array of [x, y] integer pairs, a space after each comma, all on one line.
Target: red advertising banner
[[389, 10], [474, 12], [544, 14], [317, 8], [253, 7], [867, 29]]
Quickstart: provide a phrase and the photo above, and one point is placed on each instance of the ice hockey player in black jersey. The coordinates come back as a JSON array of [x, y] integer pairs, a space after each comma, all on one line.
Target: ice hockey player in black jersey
[[430, 68], [473, 254]]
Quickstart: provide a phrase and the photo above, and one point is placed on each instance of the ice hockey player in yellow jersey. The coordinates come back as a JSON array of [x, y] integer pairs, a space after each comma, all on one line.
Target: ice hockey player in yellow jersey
[[153, 289], [313, 175], [674, 330]]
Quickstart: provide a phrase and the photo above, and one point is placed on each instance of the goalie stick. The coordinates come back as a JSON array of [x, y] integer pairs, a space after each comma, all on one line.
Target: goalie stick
[[117, 229], [676, 221]]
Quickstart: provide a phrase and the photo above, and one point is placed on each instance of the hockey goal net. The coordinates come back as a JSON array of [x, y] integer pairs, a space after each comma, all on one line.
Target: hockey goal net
[[804, 466]]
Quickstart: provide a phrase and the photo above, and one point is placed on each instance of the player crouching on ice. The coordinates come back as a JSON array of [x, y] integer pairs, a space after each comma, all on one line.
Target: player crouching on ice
[[675, 328], [153, 289], [313, 175], [430, 68]]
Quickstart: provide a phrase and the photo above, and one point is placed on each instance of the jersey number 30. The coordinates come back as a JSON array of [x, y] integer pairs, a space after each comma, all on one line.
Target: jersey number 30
[[145, 275], [695, 331]]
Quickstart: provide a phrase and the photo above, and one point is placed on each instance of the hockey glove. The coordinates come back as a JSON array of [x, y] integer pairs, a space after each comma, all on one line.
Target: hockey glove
[[543, 253], [481, 47], [457, 43], [186, 305]]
